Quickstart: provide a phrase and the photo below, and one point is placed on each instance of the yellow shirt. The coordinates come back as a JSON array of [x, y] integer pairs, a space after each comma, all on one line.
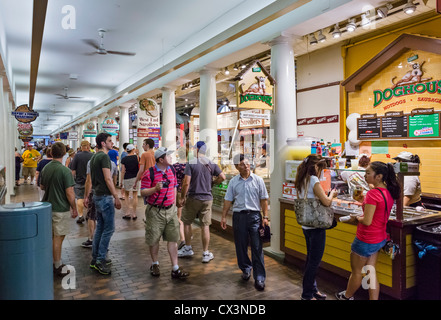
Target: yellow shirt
[[29, 156]]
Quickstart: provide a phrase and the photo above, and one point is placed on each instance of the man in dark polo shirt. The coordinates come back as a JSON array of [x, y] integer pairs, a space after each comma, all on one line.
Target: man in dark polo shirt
[[161, 213], [104, 193], [79, 168]]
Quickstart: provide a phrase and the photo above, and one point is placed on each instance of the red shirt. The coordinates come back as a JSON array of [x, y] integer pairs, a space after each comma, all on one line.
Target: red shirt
[[376, 232], [157, 198]]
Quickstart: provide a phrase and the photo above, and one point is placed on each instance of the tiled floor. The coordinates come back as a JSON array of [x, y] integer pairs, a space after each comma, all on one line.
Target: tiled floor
[[130, 278]]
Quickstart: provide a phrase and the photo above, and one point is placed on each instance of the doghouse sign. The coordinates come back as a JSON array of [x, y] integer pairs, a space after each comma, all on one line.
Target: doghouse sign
[[254, 86]]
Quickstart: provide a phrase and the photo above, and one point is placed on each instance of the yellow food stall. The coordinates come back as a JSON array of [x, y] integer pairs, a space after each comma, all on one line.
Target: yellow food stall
[[395, 112]]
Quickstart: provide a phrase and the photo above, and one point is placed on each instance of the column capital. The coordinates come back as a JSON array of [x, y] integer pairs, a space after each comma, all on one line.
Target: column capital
[[169, 88], [209, 70], [281, 38]]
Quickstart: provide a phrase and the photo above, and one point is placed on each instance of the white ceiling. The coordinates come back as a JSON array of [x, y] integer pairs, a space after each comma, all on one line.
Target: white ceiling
[[162, 33]]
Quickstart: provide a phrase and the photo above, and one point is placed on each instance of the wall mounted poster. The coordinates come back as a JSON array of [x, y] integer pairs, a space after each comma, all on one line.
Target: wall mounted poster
[[148, 120]]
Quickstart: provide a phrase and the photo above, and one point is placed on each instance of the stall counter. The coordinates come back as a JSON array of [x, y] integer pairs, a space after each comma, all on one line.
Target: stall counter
[[397, 277]]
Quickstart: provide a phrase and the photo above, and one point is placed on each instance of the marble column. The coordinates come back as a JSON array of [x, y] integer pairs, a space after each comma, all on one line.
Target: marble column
[[208, 111], [283, 125], [168, 132]]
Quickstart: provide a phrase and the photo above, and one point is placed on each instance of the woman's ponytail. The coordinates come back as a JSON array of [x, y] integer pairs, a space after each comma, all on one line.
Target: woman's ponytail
[[392, 182]]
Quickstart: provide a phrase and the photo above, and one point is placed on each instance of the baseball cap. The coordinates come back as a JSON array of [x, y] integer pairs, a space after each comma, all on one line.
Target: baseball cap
[[161, 151], [130, 147], [404, 155], [201, 146]]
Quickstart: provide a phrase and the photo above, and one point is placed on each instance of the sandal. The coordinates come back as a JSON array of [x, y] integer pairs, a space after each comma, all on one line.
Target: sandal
[[135, 217], [126, 217]]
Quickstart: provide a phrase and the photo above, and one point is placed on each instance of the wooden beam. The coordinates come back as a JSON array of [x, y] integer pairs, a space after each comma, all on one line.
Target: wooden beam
[[39, 17]]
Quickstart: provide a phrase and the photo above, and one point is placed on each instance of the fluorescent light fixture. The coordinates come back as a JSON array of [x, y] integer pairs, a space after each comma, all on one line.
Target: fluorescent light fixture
[[351, 26], [410, 7], [321, 37], [235, 68], [312, 40], [382, 11], [336, 33]]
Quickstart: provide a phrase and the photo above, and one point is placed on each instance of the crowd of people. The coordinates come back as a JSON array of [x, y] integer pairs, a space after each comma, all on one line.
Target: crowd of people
[[84, 184]]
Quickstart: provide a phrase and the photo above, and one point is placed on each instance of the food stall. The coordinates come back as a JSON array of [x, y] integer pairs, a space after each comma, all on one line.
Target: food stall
[[388, 114]]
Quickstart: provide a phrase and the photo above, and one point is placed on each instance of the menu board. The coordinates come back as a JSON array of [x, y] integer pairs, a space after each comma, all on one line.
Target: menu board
[[369, 127], [421, 123], [424, 125], [394, 127]]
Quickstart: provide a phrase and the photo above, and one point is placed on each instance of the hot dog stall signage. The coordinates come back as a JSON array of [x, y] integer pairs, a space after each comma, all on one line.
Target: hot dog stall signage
[[405, 93], [255, 87]]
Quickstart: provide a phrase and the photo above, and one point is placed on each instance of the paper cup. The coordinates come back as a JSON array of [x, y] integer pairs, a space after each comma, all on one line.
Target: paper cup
[[354, 164]]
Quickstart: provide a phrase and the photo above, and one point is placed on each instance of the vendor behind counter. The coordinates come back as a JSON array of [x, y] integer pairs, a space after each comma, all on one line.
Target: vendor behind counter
[[412, 184], [356, 179]]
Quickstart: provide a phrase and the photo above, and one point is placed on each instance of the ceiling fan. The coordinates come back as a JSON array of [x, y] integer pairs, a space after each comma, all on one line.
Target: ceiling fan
[[100, 47], [65, 95]]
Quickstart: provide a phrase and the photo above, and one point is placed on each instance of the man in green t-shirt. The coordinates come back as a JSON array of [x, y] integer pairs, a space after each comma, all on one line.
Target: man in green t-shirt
[[103, 193], [57, 183]]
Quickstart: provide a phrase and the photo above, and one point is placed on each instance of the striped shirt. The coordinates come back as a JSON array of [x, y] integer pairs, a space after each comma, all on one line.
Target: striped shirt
[[166, 196]]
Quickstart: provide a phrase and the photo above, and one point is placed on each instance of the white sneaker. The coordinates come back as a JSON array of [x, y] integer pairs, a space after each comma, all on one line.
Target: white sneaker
[[207, 257], [184, 252]]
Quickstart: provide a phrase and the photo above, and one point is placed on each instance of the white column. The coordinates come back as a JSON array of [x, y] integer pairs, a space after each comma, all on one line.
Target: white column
[[123, 127], [11, 152], [208, 112], [283, 125], [4, 129], [2, 121], [168, 134], [80, 132]]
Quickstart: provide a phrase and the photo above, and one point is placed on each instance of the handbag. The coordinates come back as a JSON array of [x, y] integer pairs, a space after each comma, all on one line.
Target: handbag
[[265, 233], [390, 248], [312, 213]]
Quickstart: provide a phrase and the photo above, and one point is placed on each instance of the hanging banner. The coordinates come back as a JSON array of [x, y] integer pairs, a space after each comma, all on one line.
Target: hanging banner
[[90, 130], [110, 126], [148, 120], [24, 130], [73, 135]]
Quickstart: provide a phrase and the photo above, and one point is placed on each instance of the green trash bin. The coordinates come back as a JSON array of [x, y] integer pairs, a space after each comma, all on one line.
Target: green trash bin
[[26, 271]]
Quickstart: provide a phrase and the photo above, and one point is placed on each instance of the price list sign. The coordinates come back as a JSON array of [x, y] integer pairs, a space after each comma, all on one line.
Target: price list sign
[[424, 125], [394, 125], [368, 127]]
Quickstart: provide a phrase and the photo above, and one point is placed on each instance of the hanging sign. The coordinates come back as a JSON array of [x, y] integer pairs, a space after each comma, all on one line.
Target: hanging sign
[[110, 126], [73, 135], [90, 130], [25, 130], [255, 87], [148, 120], [24, 114]]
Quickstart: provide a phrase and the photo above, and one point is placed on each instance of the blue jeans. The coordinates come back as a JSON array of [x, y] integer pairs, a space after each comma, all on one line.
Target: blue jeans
[[315, 246], [246, 230], [105, 226]]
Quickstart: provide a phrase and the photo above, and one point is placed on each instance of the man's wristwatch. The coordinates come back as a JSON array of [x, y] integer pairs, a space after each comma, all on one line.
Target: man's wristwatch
[[266, 217]]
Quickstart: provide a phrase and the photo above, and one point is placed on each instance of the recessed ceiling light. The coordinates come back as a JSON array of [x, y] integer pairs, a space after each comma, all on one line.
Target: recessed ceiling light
[[312, 39], [365, 21]]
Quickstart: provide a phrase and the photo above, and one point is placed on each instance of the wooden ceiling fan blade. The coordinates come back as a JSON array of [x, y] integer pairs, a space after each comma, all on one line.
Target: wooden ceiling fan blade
[[91, 43], [38, 20], [121, 53]]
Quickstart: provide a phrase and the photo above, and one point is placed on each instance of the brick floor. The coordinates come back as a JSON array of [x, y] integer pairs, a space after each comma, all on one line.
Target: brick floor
[[130, 278]]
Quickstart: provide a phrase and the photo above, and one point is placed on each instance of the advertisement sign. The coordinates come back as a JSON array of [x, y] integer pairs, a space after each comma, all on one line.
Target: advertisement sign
[[24, 114], [255, 87], [73, 135], [90, 130], [110, 126], [24, 130], [148, 120]]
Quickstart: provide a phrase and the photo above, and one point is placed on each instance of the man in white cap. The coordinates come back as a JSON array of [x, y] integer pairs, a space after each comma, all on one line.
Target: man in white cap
[[161, 213], [412, 184]]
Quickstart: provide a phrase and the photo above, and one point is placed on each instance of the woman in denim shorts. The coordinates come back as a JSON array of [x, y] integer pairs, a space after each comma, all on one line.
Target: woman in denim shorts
[[371, 229]]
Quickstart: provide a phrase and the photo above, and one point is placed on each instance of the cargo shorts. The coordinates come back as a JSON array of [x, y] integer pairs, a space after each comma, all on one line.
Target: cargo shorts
[[159, 223]]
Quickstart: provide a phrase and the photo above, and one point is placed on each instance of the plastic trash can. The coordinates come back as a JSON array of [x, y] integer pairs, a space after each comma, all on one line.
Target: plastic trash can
[[26, 271], [427, 241]]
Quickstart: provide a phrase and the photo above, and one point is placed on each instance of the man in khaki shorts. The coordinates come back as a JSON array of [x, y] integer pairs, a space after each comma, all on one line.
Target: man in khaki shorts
[[30, 157], [161, 214], [58, 185], [198, 179]]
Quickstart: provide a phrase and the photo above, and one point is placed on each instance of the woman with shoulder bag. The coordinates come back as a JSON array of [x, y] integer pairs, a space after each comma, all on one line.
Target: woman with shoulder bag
[[371, 233], [307, 181]]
